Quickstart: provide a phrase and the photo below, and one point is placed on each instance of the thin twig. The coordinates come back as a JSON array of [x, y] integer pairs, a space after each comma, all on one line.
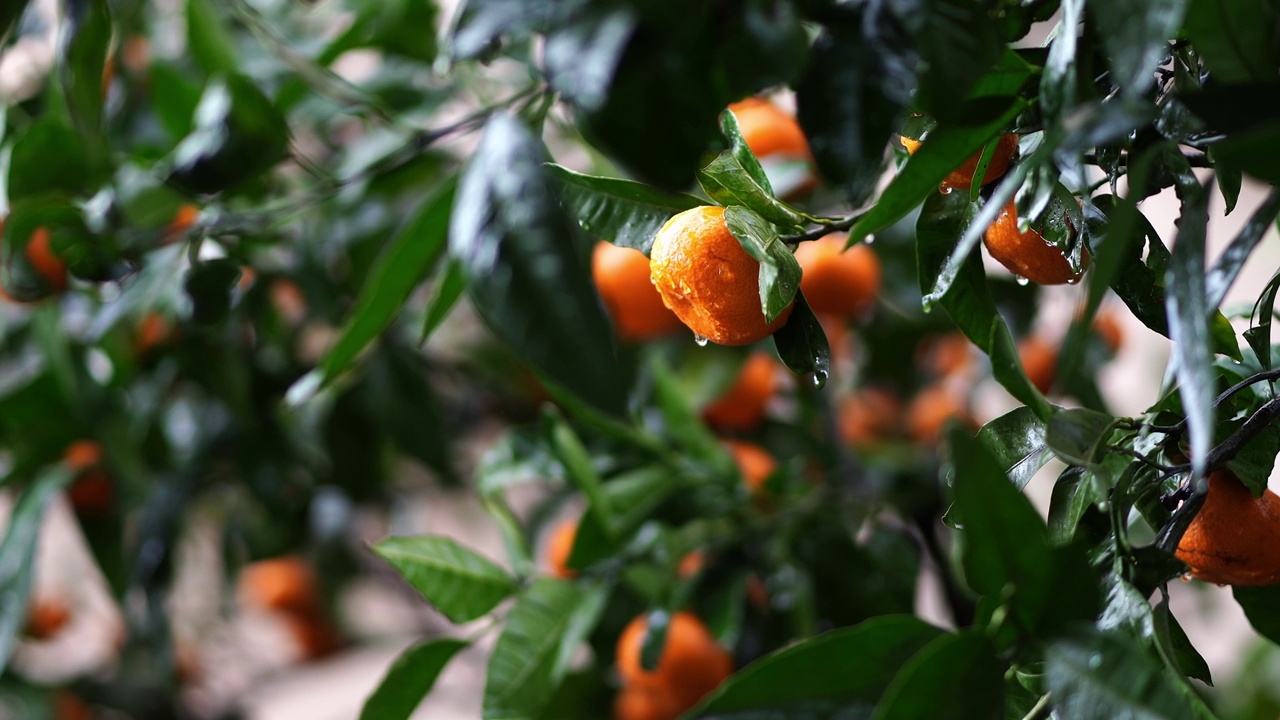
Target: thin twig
[[824, 229], [1038, 710]]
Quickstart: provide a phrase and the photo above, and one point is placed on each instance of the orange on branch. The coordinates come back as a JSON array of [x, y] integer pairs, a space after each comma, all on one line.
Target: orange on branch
[[1027, 254], [962, 177], [1039, 361], [282, 583], [622, 277], [1235, 538], [836, 281], [708, 280], [692, 664]]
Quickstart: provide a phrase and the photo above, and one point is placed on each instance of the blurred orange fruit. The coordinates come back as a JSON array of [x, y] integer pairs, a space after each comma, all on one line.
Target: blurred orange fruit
[[836, 281], [559, 546], [153, 331], [45, 261], [1039, 361], [753, 461], [962, 177], [92, 493], [1026, 254], [1107, 326], [945, 355], [182, 221], [768, 130], [692, 664], [1235, 538], [622, 276], [691, 564], [283, 583], [46, 617], [931, 408], [742, 406], [870, 416], [708, 280], [645, 703]]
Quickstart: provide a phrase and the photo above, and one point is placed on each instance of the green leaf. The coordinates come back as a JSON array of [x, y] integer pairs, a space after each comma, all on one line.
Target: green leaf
[[1188, 311], [9, 14], [237, 135], [1059, 81], [1108, 675], [683, 423], [955, 676], [409, 680], [209, 39], [528, 283], [958, 44], [624, 212], [635, 494], [457, 581], [1073, 493], [1077, 435], [398, 395], [968, 300], [17, 554], [579, 471], [833, 675], [736, 178], [581, 55], [1135, 33], [1178, 646], [522, 673], [48, 157], [779, 270], [1259, 605], [802, 343], [1227, 267], [1255, 151], [1006, 546], [1254, 462], [1017, 442], [947, 148], [1236, 39], [406, 260], [847, 103], [84, 56], [1259, 336], [449, 286]]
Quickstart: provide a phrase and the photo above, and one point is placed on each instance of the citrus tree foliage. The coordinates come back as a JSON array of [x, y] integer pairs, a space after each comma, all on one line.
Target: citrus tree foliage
[[258, 251]]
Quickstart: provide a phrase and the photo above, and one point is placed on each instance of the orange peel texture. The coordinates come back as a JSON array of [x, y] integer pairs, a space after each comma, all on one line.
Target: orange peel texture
[[1235, 538], [1026, 254]]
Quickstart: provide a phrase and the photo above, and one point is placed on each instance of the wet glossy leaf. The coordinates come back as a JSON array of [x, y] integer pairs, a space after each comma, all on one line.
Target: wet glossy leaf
[[238, 134], [1135, 33], [528, 284], [1073, 493], [455, 580], [1108, 675], [735, 177], [1017, 442], [779, 277], [1188, 311], [824, 677], [624, 212], [409, 680], [1077, 435], [802, 344], [957, 44], [1259, 605], [1178, 645], [1236, 39], [84, 56]]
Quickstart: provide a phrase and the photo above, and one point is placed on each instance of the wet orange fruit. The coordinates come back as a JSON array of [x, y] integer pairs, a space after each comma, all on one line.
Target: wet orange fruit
[[559, 546], [1039, 361], [282, 583], [1026, 254], [708, 280], [1235, 538], [741, 407], [962, 177], [622, 277], [869, 416], [45, 261], [692, 664], [753, 461], [836, 281], [931, 408], [769, 130]]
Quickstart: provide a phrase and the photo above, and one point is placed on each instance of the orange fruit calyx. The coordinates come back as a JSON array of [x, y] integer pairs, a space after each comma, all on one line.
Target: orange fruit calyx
[[621, 275], [1028, 254], [708, 280], [1235, 538]]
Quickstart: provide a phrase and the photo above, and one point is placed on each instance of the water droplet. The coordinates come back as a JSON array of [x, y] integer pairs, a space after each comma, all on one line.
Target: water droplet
[[1095, 660], [944, 189], [870, 239], [1073, 281], [702, 341], [1021, 280], [819, 379]]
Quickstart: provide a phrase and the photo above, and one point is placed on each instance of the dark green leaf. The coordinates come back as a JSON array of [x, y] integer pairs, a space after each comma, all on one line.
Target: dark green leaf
[[1017, 442], [9, 14], [947, 148], [523, 668], [394, 26], [1254, 462], [1058, 83], [17, 554], [409, 680], [1255, 151], [624, 212], [406, 260], [1077, 435], [528, 284], [1108, 675], [633, 495], [578, 470], [1136, 35], [1073, 493], [1259, 336], [957, 44], [1006, 546], [1236, 39], [802, 344], [457, 581], [1178, 646], [779, 271], [955, 676], [209, 39], [209, 285], [825, 677], [581, 55], [683, 423], [238, 134], [449, 286], [1188, 312], [1259, 605], [735, 177], [48, 157], [398, 394], [968, 300], [84, 58]]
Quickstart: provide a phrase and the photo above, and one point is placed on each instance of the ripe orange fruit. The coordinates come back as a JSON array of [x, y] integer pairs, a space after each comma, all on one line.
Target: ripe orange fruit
[[1235, 538], [1026, 254], [644, 703], [315, 637], [931, 408], [753, 461], [1107, 326], [691, 564], [92, 493], [45, 261], [962, 177], [282, 583], [742, 406], [945, 355], [154, 331], [768, 130], [836, 281], [692, 664], [559, 546], [869, 416], [182, 221], [288, 300], [708, 280], [622, 276], [82, 455], [46, 617], [1039, 361]]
